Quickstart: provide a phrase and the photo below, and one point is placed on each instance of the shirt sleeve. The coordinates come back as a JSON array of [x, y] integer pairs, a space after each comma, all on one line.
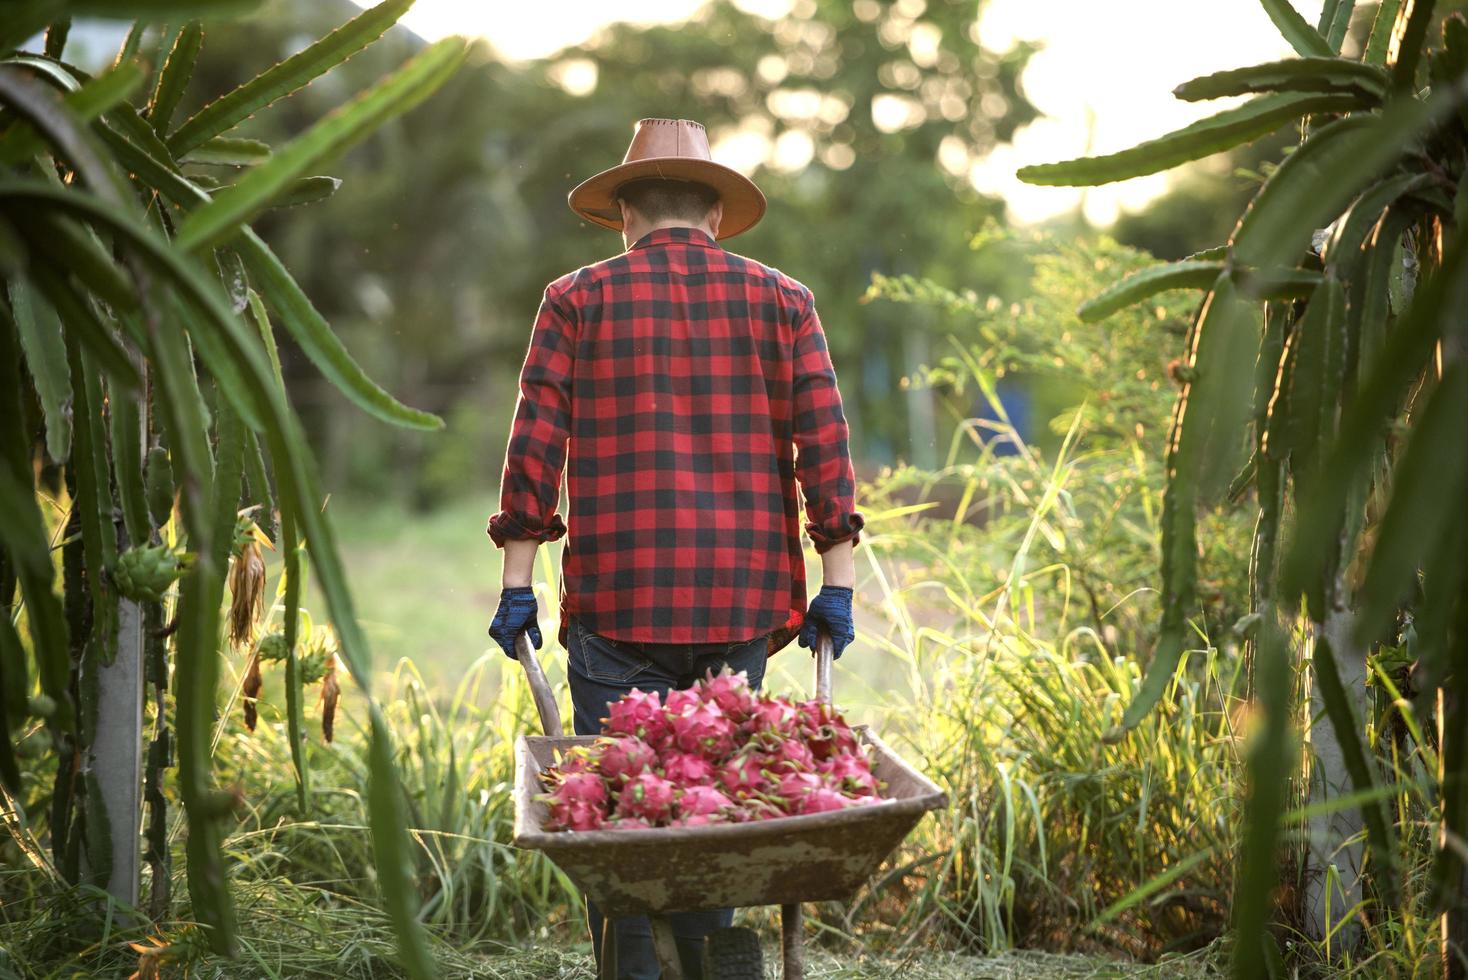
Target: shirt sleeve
[[823, 455], [536, 455]]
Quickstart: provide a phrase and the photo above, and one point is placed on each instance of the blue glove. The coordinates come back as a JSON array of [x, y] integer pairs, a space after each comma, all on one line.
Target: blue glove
[[830, 608], [516, 615]]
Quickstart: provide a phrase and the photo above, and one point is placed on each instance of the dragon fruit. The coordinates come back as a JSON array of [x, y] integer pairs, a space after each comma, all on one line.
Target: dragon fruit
[[850, 773], [782, 755], [648, 796], [731, 693], [638, 713], [620, 759], [774, 716], [743, 776], [578, 802], [824, 730], [713, 753], [703, 728], [687, 769], [702, 801]]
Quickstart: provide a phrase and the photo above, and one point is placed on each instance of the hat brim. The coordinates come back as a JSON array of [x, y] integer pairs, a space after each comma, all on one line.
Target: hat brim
[[744, 204]]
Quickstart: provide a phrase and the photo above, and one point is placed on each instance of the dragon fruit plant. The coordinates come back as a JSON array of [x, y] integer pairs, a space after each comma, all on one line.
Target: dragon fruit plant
[[714, 753]]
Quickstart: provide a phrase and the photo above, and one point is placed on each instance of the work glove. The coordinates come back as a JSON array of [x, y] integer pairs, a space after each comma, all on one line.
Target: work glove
[[830, 608], [516, 615]]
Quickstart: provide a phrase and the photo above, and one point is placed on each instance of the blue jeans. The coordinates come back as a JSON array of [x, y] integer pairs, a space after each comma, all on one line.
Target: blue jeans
[[601, 670]]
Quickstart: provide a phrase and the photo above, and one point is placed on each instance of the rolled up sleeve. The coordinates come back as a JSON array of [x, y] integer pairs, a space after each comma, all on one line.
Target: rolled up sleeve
[[536, 455], [823, 454]]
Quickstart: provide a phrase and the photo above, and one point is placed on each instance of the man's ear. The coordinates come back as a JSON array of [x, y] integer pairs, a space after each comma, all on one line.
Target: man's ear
[[716, 216]]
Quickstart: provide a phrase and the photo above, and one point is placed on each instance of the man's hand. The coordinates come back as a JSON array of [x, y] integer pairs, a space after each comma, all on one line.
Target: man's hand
[[516, 615], [830, 608]]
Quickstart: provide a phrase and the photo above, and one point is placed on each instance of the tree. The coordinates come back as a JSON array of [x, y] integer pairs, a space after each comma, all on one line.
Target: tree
[[1353, 396], [120, 261]]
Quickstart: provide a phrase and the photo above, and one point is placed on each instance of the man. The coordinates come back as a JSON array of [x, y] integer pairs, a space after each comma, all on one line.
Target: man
[[693, 388]]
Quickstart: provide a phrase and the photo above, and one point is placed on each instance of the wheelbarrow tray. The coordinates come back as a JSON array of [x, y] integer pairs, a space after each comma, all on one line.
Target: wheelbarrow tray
[[784, 860]]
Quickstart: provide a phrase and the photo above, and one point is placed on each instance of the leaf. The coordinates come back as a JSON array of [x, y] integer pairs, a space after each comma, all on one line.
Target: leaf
[[1206, 437], [70, 247], [389, 848], [1348, 728], [290, 75], [1321, 177], [45, 358], [1146, 283], [1268, 759], [23, 535], [1305, 39], [1343, 248], [126, 413], [1439, 301], [81, 322], [1409, 36], [1339, 24], [307, 190], [162, 9], [229, 151], [1219, 132], [84, 104], [1429, 485], [406, 87], [1338, 75], [175, 76], [1381, 32], [93, 501], [1317, 375]]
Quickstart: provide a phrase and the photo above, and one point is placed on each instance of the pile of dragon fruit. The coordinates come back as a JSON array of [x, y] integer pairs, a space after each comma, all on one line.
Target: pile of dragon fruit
[[714, 753]]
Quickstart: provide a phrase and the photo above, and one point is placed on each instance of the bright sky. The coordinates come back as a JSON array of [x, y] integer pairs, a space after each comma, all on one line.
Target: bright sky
[[1111, 65]]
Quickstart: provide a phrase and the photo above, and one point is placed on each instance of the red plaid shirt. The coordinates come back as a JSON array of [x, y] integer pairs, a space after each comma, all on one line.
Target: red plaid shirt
[[693, 388]]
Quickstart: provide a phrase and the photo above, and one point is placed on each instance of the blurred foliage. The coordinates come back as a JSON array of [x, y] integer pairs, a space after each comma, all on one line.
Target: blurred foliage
[[1103, 395], [431, 258]]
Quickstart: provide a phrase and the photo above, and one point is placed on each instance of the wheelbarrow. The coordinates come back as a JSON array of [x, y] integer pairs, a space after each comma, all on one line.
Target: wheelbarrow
[[781, 861]]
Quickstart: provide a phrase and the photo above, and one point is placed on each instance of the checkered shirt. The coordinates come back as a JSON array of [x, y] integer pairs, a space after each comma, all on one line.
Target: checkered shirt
[[683, 389]]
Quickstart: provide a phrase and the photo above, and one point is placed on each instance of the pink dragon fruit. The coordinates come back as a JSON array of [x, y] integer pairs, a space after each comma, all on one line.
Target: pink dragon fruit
[[822, 800], [628, 823], [648, 796], [580, 758], [794, 787], [637, 713], [742, 776], [782, 755], [824, 730], [578, 802], [702, 728], [850, 773], [575, 816], [682, 700], [775, 716], [731, 693], [702, 801], [687, 769], [625, 757]]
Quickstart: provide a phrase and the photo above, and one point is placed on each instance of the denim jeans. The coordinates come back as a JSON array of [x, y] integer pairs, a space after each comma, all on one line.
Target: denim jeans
[[601, 670]]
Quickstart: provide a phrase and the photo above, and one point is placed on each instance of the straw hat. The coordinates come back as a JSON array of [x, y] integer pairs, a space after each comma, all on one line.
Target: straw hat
[[672, 149]]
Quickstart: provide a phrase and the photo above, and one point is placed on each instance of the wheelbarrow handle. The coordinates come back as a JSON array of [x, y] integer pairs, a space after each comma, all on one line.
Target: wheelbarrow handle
[[824, 658], [540, 689], [550, 714]]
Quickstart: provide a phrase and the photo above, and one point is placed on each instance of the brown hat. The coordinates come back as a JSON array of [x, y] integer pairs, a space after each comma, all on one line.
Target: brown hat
[[672, 149]]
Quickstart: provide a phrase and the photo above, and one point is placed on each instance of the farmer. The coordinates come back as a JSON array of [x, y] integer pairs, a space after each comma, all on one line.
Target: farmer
[[684, 390]]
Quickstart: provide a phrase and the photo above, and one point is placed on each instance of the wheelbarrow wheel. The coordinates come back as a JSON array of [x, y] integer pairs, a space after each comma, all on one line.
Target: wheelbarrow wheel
[[733, 954]]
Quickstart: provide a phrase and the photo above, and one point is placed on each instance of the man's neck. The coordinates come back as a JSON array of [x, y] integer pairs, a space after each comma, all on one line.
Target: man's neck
[[632, 234]]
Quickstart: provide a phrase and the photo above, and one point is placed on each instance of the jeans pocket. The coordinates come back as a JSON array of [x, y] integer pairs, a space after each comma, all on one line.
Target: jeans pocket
[[606, 660]]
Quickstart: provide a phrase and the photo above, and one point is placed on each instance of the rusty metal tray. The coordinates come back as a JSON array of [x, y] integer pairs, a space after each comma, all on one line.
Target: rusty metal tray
[[812, 858]]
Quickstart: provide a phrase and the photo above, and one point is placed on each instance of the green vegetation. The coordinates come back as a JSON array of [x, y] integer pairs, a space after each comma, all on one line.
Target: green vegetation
[[1173, 605]]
